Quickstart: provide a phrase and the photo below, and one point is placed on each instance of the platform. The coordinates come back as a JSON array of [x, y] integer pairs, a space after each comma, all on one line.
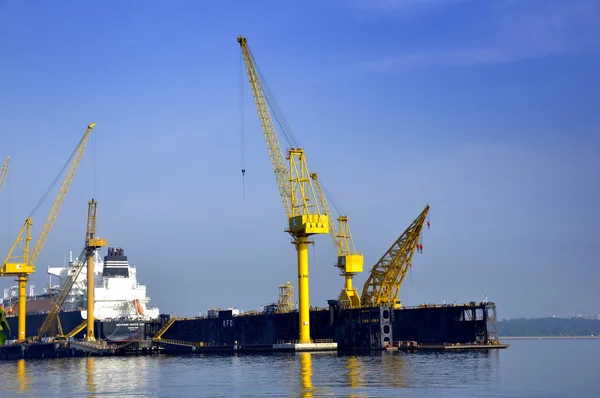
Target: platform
[[314, 346]]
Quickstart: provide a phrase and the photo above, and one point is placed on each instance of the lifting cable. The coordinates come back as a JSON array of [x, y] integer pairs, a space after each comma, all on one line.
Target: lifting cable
[[242, 129], [94, 180], [276, 113], [9, 189], [331, 200], [45, 195]]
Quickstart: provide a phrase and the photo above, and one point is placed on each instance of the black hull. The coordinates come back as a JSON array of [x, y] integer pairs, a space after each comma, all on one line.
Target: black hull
[[112, 331], [351, 329]]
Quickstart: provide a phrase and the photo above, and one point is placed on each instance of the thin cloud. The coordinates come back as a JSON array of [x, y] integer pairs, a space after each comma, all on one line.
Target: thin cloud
[[518, 31], [384, 5]]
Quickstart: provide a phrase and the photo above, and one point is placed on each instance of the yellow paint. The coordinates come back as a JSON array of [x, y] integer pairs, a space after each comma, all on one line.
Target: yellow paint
[[22, 306], [295, 188], [90, 297], [306, 374], [26, 266], [304, 302]]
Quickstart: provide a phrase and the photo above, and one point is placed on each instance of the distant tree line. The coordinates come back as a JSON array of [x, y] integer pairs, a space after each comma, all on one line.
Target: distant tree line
[[549, 327]]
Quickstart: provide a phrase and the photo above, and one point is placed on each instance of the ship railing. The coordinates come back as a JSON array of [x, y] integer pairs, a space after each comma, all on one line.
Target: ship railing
[[189, 343], [314, 341]]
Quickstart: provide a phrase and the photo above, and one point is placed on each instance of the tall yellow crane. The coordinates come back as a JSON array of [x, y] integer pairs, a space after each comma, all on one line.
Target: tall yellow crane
[[349, 261], [4, 172], [92, 243], [295, 187], [383, 285], [24, 265]]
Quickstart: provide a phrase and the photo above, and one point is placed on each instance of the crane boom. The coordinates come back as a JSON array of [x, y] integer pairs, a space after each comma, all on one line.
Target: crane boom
[[295, 188], [59, 300], [4, 172], [278, 160], [333, 230], [41, 240], [23, 266], [349, 261], [383, 285]]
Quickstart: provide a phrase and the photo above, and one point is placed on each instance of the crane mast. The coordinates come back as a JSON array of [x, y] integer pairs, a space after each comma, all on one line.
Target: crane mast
[[349, 262], [22, 266], [383, 285], [92, 243], [4, 172], [295, 188]]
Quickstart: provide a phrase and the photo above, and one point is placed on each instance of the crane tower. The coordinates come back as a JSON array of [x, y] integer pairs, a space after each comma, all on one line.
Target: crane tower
[[295, 186]]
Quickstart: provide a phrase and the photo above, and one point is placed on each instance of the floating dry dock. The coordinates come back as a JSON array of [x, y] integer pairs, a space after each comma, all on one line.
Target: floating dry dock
[[427, 327]]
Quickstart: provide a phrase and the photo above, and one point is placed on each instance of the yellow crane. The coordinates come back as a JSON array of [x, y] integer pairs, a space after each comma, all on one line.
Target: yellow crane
[[349, 261], [92, 243], [4, 172], [295, 187], [21, 266], [383, 285]]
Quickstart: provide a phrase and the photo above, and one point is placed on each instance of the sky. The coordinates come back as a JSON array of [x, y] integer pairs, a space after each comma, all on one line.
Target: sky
[[486, 110]]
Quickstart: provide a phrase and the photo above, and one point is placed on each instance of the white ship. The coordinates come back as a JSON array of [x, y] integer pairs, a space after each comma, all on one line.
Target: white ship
[[121, 304], [117, 294]]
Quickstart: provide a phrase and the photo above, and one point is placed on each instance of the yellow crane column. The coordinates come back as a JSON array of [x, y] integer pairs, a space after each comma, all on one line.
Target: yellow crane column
[[22, 280], [92, 244], [23, 266], [295, 187]]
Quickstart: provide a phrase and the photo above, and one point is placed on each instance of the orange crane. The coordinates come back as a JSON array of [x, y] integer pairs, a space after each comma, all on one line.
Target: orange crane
[[297, 192], [21, 266], [383, 285]]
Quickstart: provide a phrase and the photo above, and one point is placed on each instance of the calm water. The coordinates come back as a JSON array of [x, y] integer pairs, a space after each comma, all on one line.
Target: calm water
[[528, 368]]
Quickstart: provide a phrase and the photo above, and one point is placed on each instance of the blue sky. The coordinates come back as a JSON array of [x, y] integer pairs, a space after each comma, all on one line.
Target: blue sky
[[487, 110]]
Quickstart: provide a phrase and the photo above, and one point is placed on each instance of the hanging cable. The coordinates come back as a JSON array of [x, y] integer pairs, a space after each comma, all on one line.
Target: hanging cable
[[8, 178], [45, 195], [242, 129], [94, 180]]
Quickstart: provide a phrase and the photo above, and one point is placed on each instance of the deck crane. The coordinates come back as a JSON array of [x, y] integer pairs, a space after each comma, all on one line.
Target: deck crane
[[295, 187], [383, 285], [92, 243], [24, 265], [4, 172], [349, 261]]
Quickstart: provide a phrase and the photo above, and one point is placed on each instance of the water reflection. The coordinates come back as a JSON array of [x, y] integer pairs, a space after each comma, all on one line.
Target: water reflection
[[22, 376], [89, 364], [394, 367], [355, 373], [306, 374]]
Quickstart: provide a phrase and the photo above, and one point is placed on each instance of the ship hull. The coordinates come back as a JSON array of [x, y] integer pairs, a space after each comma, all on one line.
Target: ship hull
[[112, 331], [68, 320], [369, 328]]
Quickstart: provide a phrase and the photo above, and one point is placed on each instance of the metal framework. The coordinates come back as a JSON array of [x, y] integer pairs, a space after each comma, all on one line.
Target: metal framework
[[295, 188], [91, 245], [21, 266], [383, 285], [349, 262], [4, 172], [286, 297]]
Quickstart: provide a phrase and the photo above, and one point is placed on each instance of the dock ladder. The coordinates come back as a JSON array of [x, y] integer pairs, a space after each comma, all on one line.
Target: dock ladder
[[164, 328]]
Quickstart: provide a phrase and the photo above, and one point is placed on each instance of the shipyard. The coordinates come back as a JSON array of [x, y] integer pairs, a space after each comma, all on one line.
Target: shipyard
[[99, 307]]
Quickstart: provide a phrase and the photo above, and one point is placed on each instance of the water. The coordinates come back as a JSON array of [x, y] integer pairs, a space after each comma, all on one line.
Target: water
[[528, 368]]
